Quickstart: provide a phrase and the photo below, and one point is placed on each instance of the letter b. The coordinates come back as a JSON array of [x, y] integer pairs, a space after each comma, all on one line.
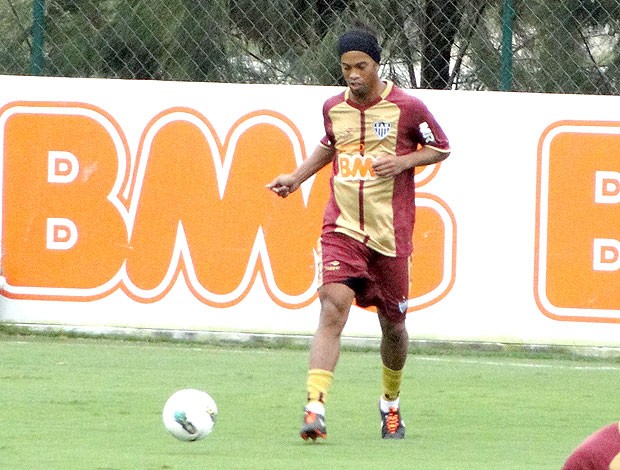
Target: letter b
[[41, 247]]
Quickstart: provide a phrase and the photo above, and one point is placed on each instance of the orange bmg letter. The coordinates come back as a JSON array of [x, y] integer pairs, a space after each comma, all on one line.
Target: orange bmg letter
[[63, 227], [577, 273], [81, 218]]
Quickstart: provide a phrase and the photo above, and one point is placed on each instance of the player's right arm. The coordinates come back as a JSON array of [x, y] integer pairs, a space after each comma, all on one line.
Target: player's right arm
[[287, 183]]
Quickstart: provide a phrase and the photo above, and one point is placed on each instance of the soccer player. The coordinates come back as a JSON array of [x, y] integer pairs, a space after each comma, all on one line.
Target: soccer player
[[599, 451], [375, 136]]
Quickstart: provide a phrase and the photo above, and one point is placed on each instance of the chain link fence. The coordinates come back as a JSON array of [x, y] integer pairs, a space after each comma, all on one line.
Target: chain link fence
[[549, 46]]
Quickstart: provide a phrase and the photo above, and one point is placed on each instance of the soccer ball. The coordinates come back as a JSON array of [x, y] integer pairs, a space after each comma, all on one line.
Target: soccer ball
[[189, 414]]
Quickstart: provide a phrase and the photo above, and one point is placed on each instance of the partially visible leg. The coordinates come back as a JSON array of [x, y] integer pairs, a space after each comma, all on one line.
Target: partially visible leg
[[392, 275], [336, 300], [394, 348], [394, 343]]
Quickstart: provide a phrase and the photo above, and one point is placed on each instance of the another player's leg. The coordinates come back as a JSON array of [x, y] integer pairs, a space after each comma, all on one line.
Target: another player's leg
[[394, 347], [336, 301]]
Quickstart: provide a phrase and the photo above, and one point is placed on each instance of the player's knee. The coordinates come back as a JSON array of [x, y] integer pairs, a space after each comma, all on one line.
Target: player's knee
[[332, 317], [336, 299], [394, 331]]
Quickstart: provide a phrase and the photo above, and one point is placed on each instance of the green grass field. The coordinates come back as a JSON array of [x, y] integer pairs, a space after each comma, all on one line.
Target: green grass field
[[71, 403]]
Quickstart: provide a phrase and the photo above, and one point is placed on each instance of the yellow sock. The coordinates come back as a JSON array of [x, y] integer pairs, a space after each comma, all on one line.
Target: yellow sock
[[391, 380], [318, 384]]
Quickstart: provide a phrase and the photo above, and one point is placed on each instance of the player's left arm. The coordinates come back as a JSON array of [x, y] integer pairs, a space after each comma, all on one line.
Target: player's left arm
[[433, 145], [390, 165]]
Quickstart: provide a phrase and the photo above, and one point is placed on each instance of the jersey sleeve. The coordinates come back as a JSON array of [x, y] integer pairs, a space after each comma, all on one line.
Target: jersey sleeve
[[329, 139], [427, 131]]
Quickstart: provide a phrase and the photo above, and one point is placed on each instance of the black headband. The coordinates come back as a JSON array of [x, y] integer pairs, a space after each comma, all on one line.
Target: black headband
[[358, 40]]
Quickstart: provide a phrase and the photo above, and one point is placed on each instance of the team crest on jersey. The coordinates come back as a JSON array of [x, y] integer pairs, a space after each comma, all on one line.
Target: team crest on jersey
[[382, 128]]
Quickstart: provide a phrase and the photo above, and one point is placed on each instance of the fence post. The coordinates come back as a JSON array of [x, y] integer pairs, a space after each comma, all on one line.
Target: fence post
[[38, 32], [508, 16]]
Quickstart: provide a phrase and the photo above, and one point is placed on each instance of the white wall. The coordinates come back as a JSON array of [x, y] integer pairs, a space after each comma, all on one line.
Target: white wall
[[528, 201]]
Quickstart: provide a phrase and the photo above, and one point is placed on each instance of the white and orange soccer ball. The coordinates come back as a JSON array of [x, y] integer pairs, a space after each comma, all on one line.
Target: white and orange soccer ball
[[189, 414]]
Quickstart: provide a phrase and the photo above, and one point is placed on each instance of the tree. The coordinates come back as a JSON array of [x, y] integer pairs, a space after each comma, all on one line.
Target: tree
[[441, 26], [15, 44], [559, 46]]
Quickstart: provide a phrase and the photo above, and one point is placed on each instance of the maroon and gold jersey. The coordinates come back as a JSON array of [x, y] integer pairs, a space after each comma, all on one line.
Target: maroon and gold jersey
[[379, 212], [599, 451]]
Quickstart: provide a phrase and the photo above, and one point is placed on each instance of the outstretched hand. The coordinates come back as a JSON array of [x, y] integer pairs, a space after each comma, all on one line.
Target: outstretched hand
[[283, 185]]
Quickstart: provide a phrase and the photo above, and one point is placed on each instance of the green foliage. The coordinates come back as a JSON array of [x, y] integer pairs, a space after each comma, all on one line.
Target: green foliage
[[15, 40], [200, 46], [565, 47], [559, 46]]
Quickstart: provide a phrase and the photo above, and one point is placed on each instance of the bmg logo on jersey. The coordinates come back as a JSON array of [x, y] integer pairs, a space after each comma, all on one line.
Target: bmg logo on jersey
[[355, 167], [577, 269]]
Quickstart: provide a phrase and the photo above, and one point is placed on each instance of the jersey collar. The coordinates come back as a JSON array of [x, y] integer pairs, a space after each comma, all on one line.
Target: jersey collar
[[388, 88]]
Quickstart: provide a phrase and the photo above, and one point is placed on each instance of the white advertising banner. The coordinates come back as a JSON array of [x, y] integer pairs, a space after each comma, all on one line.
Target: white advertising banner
[[142, 204]]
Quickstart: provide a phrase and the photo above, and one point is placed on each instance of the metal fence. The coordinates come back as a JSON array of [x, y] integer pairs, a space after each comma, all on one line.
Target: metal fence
[[550, 46]]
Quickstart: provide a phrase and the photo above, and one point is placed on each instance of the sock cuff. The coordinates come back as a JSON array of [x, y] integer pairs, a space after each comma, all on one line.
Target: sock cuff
[[391, 383], [392, 372], [385, 404], [321, 372]]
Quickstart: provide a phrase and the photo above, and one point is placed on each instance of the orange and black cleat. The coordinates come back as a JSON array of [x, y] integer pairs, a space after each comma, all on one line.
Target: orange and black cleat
[[313, 427], [392, 426]]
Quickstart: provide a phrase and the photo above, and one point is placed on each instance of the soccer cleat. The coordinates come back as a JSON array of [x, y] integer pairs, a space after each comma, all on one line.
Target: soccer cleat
[[313, 427], [392, 426]]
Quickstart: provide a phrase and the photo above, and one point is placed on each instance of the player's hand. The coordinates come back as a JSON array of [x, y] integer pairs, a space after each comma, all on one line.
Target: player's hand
[[283, 185], [387, 166]]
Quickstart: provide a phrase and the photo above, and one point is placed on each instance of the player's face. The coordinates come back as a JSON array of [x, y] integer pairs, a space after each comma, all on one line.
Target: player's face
[[360, 72]]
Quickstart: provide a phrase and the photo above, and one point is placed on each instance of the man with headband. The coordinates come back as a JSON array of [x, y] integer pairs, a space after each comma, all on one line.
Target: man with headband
[[376, 134]]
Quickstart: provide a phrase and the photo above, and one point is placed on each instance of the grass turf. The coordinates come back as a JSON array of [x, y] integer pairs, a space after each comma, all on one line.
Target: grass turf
[[71, 403]]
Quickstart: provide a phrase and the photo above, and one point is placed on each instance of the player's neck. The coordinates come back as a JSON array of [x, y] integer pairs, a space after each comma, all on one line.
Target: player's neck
[[372, 96]]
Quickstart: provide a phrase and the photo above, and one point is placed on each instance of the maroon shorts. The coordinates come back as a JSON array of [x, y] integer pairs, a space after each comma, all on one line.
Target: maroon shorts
[[377, 280]]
